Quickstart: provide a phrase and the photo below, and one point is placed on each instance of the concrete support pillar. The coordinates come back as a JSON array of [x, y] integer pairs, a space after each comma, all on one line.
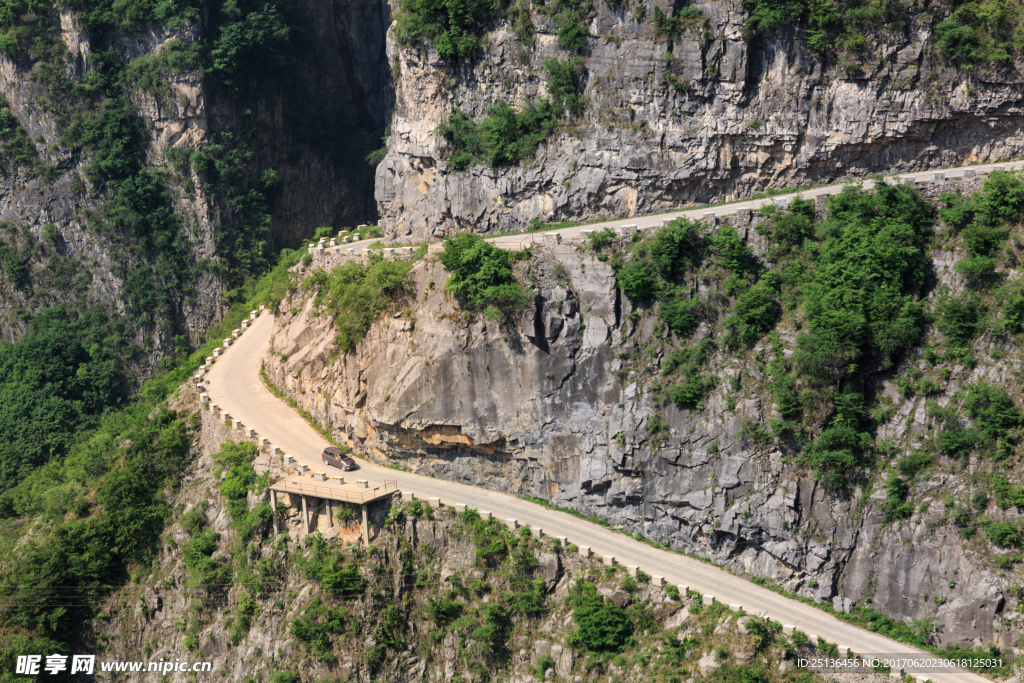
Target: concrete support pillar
[[330, 516], [273, 506], [366, 525], [305, 515]]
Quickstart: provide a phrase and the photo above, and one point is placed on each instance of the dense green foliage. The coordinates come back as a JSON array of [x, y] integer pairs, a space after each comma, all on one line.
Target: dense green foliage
[[356, 293], [507, 136], [601, 625], [504, 137], [990, 31], [856, 278], [15, 145], [55, 382], [452, 25], [982, 221], [481, 276], [975, 33], [238, 479], [102, 503], [565, 83]]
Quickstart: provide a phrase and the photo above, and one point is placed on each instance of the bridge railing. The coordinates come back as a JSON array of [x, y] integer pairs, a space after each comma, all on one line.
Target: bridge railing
[[334, 492]]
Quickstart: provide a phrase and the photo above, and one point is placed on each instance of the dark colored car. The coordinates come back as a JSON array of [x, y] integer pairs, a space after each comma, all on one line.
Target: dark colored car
[[338, 458]]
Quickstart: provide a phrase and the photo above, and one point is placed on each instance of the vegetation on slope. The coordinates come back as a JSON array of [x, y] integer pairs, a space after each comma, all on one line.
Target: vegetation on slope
[[853, 286], [481, 276], [383, 605], [91, 517], [355, 294], [250, 50], [507, 136]]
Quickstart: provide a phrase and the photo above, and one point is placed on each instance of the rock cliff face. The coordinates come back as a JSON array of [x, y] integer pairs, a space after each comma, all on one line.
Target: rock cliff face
[[283, 617], [709, 116], [55, 218], [557, 406]]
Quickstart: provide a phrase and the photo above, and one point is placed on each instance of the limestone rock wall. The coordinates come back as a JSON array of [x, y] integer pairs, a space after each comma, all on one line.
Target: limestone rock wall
[[749, 113], [557, 406]]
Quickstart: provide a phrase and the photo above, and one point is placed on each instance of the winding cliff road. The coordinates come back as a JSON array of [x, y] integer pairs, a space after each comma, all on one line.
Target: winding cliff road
[[235, 385]]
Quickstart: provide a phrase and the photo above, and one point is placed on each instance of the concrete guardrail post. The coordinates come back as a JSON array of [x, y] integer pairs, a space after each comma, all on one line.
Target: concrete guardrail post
[[632, 569], [460, 508], [584, 550], [683, 589], [708, 600], [735, 607], [536, 532], [657, 580], [844, 651], [512, 523], [485, 514], [940, 177], [435, 503], [787, 629], [562, 540], [970, 173], [909, 180], [608, 560], [408, 496]]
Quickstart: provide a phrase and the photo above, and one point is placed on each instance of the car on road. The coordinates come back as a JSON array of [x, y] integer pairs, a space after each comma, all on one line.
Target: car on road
[[338, 458]]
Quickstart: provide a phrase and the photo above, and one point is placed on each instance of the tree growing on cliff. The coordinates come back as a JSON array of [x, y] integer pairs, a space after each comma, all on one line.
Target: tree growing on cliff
[[481, 276]]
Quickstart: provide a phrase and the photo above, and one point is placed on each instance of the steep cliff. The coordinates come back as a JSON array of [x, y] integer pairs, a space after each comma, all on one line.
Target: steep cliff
[[437, 596], [573, 401], [151, 159], [690, 104]]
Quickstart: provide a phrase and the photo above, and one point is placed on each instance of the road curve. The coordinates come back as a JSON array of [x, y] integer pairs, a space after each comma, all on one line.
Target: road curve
[[235, 385]]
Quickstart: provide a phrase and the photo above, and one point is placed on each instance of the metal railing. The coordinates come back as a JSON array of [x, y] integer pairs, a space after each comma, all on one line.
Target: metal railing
[[334, 492]]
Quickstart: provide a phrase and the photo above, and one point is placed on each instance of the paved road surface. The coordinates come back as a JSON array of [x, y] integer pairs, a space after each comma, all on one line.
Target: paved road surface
[[235, 385], [644, 222]]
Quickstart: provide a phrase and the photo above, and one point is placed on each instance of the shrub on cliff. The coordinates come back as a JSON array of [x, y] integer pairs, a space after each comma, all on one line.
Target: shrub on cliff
[[481, 276], [504, 137], [601, 626], [452, 25], [355, 294]]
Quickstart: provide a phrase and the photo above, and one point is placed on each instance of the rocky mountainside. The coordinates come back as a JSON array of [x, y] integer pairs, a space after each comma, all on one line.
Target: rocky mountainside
[[688, 103], [437, 596], [144, 180], [568, 402]]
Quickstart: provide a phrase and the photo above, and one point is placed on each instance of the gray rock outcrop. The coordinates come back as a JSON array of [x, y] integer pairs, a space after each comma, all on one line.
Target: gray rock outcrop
[[713, 114]]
